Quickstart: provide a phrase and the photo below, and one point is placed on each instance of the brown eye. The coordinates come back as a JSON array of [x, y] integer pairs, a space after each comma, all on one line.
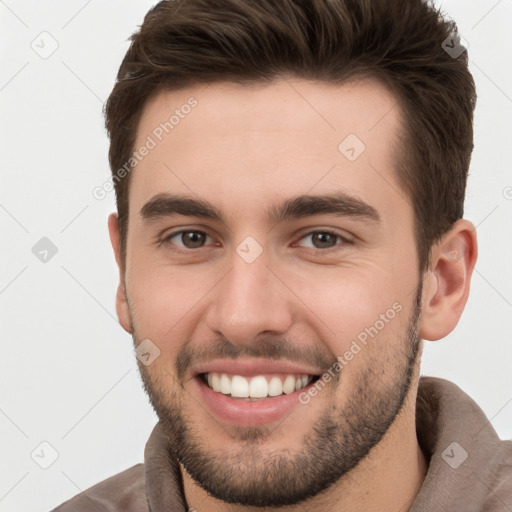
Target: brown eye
[[188, 239], [322, 239]]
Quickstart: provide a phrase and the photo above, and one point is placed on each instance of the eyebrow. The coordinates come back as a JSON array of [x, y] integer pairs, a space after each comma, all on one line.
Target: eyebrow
[[339, 204]]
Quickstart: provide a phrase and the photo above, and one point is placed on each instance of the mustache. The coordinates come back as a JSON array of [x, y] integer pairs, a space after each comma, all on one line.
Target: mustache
[[268, 347]]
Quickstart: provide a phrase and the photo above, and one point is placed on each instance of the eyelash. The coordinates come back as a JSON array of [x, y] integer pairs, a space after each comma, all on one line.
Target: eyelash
[[345, 241]]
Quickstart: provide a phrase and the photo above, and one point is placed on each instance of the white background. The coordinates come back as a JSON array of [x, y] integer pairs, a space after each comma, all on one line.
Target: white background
[[68, 370]]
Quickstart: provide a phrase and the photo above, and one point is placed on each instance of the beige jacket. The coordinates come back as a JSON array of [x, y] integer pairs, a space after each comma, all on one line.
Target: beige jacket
[[470, 469]]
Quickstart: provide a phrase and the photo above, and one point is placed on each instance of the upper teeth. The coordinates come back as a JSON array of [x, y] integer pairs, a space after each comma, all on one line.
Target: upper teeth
[[257, 386]]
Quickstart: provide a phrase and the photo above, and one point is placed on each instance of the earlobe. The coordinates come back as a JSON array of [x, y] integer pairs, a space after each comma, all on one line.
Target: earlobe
[[122, 307], [446, 286]]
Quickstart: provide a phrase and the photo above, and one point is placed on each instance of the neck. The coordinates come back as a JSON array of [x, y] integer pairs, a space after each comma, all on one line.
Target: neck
[[389, 478]]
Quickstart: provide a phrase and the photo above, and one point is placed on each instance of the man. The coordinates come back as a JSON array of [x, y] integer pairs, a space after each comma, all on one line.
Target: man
[[290, 180]]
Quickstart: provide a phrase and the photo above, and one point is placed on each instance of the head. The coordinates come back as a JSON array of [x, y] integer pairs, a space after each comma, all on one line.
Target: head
[[318, 153]]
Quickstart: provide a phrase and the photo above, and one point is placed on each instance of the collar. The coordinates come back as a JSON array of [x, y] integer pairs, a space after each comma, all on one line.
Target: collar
[[463, 447]]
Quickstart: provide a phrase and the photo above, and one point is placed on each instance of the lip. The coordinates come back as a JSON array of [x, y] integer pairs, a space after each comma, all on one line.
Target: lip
[[248, 413], [252, 367]]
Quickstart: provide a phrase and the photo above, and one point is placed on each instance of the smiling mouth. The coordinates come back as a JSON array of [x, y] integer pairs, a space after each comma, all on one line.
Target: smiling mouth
[[257, 387]]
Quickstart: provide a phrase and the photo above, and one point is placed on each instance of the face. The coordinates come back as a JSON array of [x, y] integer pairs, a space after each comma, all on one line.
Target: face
[[271, 275]]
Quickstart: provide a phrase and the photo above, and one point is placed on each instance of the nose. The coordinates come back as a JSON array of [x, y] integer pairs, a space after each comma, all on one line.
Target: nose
[[248, 301]]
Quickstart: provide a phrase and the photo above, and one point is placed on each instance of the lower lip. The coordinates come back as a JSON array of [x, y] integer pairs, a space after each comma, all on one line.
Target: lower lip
[[246, 412]]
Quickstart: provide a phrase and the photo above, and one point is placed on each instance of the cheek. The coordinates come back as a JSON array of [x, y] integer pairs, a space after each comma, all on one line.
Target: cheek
[[164, 298], [349, 304]]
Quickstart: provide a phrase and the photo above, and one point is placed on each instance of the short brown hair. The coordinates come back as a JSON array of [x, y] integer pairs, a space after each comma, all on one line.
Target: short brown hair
[[398, 42]]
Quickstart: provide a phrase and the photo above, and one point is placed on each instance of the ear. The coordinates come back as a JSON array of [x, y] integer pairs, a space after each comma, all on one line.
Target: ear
[[446, 287], [123, 312]]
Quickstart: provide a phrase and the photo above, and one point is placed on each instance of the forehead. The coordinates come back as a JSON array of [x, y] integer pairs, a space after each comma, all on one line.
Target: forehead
[[248, 145]]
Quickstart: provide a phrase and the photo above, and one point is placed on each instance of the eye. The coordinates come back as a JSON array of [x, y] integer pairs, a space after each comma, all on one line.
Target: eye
[[324, 239], [187, 239]]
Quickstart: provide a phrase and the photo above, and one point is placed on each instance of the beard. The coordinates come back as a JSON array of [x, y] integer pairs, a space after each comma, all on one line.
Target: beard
[[247, 474]]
